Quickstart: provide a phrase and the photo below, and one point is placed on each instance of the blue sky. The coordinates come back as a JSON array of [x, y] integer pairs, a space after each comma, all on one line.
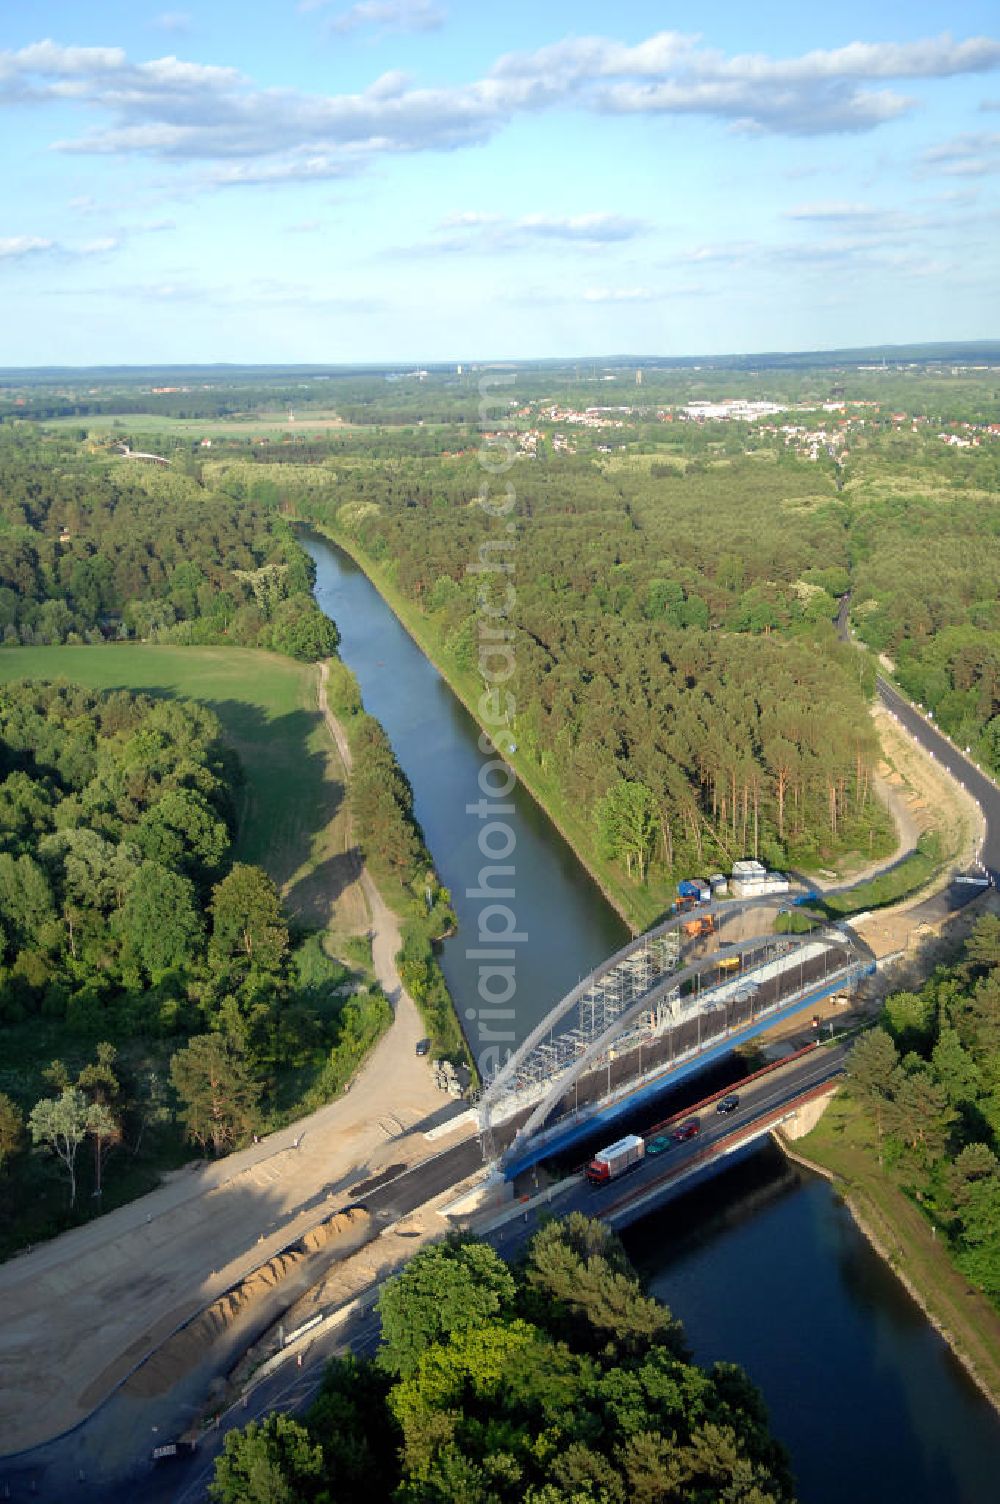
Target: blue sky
[[412, 180]]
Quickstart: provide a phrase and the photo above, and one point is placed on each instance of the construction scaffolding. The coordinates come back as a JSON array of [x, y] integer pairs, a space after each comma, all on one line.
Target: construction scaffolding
[[602, 999], [601, 1034]]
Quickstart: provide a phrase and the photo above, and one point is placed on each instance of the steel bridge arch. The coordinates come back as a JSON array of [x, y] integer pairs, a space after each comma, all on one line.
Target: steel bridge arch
[[576, 994], [565, 1081], [668, 979]]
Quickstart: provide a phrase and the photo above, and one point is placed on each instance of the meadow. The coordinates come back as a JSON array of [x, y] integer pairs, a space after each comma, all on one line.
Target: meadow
[[269, 713]]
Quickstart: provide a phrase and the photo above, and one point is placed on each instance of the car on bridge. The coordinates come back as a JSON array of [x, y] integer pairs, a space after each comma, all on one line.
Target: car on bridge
[[727, 1105], [659, 1144], [688, 1129]]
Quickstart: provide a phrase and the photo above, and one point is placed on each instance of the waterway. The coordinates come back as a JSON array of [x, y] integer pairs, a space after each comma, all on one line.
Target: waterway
[[567, 923], [764, 1265]]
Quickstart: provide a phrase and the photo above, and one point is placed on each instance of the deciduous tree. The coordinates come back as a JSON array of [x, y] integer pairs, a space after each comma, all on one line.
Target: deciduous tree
[[247, 923], [11, 1128], [273, 1461], [63, 1123], [443, 1289]]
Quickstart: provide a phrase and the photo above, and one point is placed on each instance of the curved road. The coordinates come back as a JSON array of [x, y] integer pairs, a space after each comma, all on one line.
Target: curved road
[[982, 788]]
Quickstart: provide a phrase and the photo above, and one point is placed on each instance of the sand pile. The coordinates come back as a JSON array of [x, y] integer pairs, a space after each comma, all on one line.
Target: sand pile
[[188, 1347]]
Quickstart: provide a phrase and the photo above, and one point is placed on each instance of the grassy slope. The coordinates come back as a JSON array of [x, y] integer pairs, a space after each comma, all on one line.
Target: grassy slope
[[843, 1142], [268, 709]]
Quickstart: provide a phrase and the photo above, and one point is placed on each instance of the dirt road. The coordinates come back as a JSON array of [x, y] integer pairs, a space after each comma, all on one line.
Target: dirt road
[[79, 1312]]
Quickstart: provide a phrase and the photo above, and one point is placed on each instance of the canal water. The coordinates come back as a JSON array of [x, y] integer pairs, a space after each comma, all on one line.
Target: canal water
[[567, 923], [763, 1265]]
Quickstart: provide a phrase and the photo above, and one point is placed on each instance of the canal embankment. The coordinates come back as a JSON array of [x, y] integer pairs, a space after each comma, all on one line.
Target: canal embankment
[[840, 1147]]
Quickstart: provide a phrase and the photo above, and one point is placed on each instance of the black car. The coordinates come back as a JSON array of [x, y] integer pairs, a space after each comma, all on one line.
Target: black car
[[423, 1046], [727, 1105]]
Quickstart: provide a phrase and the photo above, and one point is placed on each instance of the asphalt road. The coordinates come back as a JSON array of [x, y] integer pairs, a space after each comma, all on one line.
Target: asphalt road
[[982, 789]]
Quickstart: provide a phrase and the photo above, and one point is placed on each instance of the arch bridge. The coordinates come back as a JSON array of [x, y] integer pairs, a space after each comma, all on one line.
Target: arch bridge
[[660, 1008]]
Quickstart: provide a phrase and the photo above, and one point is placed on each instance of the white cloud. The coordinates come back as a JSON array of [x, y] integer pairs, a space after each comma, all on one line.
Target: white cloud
[[385, 15], [469, 219], [19, 247], [294, 169], [101, 246], [752, 105], [808, 95], [493, 227], [473, 229], [730, 254], [175, 22], [835, 210], [183, 111], [600, 295], [973, 154], [602, 227], [15, 247], [618, 295], [861, 246]]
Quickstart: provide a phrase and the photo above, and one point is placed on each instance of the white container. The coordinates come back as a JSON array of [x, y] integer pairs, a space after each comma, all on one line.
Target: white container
[[607, 1164]]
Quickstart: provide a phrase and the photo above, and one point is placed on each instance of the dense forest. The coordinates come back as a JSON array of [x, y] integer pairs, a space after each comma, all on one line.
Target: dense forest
[[94, 546], [925, 539], [161, 974], [672, 675], [676, 685], [152, 990], [929, 1076], [557, 1382], [674, 665]]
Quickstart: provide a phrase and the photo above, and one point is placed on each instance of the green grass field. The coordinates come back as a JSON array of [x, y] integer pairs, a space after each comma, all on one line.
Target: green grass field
[[247, 426], [269, 713]]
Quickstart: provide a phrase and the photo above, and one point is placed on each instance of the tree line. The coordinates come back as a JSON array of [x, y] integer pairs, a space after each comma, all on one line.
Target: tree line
[[390, 839], [929, 1077], [557, 1380], [94, 547], [926, 575], [675, 671]]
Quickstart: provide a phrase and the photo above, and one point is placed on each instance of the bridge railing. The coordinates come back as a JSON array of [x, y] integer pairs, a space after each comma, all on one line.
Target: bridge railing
[[693, 1022]]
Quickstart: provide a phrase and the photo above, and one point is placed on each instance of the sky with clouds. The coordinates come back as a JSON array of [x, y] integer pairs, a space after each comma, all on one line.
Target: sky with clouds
[[409, 180]]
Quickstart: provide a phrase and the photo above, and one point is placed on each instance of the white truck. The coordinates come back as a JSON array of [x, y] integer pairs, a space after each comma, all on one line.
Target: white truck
[[607, 1164]]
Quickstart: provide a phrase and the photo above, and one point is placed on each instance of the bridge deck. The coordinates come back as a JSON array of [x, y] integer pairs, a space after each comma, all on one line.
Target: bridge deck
[[642, 1070]]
